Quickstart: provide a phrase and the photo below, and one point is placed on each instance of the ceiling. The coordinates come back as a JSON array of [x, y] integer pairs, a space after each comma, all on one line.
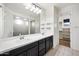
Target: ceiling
[[62, 5], [59, 5], [44, 5], [19, 8]]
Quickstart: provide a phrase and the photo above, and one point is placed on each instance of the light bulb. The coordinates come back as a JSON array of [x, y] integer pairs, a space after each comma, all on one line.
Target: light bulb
[[39, 11], [36, 9], [32, 8]]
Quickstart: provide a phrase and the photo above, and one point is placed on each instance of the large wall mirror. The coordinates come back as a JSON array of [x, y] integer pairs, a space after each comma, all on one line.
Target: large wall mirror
[[17, 20]]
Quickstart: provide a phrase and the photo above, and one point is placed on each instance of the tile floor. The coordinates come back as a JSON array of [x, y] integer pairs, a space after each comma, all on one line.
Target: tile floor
[[62, 51]]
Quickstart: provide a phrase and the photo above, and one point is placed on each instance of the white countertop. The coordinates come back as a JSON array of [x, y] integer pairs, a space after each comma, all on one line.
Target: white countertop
[[15, 42]]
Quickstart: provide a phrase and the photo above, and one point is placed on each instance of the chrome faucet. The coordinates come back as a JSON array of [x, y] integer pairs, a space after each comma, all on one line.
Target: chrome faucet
[[21, 36]]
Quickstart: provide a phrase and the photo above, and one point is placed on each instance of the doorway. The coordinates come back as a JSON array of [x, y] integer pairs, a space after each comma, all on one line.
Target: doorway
[[64, 33]]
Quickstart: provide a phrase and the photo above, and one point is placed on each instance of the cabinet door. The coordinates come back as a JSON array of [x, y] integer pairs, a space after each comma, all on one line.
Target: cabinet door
[[47, 45], [33, 51], [41, 47], [41, 44], [51, 41]]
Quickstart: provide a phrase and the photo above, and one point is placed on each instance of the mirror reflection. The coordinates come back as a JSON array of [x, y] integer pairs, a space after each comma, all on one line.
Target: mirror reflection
[[20, 26], [20, 19]]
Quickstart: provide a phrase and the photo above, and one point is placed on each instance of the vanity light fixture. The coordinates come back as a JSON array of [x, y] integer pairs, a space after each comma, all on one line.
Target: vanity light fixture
[[32, 7]]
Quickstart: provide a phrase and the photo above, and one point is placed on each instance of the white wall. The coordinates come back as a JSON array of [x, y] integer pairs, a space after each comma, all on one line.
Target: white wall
[[47, 20], [75, 27], [56, 27], [42, 21], [50, 16], [50, 19]]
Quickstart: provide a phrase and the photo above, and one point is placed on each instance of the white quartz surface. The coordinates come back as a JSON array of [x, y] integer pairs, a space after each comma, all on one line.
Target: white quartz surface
[[15, 42]]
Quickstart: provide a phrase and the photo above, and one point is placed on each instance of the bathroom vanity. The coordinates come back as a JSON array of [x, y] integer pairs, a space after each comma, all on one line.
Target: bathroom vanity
[[37, 46], [20, 33]]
